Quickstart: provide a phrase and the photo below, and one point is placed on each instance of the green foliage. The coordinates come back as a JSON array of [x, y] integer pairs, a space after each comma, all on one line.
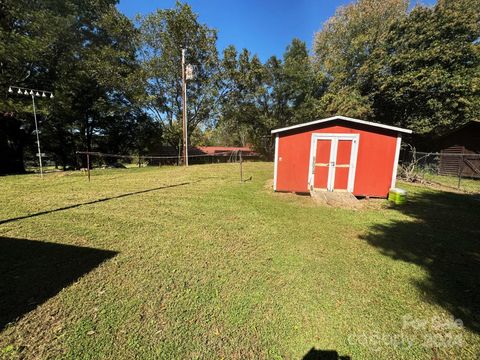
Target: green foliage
[[343, 47], [347, 102], [418, 69], [163, 35], [118, 86], [428, 69], [82, 51], [259, 97]]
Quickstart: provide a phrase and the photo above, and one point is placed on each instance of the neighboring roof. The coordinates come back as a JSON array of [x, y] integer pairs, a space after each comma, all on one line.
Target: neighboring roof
[[467, 124], [203, 150], [466, 136], [338, 117], [223, 149]]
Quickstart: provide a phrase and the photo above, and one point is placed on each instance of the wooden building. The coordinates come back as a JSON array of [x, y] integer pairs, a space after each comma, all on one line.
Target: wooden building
[[337, 154], [460, 151]]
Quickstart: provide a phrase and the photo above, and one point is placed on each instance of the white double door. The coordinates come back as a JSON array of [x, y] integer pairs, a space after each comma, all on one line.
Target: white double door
[[333, 159]]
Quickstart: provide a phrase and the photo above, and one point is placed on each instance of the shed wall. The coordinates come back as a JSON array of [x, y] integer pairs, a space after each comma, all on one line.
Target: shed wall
[[375, 161]]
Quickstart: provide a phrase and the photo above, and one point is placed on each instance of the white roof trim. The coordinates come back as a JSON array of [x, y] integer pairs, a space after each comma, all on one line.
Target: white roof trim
[[338, 117]]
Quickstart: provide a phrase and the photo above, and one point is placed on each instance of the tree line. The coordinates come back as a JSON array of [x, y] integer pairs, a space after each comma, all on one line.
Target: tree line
[[117, 81]]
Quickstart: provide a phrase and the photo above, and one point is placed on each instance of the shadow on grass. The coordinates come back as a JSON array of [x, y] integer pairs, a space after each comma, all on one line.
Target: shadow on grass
[[34, 271], [444, 239], [91, 202], [314, 354]]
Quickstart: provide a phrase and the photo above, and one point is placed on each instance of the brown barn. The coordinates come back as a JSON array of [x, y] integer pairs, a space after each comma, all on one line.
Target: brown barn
[[460, 151]]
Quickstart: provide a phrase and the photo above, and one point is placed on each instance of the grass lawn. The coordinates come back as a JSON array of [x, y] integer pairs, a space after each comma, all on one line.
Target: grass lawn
[[468, 185], [189, 263]]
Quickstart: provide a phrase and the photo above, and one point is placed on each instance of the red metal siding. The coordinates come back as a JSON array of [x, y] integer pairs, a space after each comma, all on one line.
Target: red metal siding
[[375, 160]]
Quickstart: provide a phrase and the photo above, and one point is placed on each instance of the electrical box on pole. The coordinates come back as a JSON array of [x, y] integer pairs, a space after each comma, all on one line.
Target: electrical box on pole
[[189, 72]]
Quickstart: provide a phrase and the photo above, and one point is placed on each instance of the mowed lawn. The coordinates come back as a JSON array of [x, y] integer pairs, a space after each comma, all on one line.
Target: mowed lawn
[[175, 263]]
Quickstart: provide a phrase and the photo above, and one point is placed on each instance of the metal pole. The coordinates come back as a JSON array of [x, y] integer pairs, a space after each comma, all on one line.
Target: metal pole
[[88, 166], [179, 152], [184, 111], [38, 138], [241, 168], [460, 172]]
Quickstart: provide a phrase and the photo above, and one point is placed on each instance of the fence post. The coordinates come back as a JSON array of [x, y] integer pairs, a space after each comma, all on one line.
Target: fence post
[[460, 172], [241, 168], [88, 166]]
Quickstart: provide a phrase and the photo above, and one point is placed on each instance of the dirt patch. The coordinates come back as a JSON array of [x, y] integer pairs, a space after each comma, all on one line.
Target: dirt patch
[[307, 200]]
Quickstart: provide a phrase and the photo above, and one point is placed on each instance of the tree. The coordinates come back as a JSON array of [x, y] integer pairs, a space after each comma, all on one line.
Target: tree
[[427, 76], [346, 101], [246, 104], [301, 84], [96, 85], [163, 35], [260, 97], [85, 53], [27, 33], [343, 47]]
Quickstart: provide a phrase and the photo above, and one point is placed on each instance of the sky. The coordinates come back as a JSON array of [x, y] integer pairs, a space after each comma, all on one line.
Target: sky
[[264, 27]]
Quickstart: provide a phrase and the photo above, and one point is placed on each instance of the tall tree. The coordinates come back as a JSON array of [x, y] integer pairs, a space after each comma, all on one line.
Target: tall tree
[[28, 32], [96, 72], [260, 97], [164, 34], [428, 70], [342, 49], [301, 84], [85, 53], [246, 105]]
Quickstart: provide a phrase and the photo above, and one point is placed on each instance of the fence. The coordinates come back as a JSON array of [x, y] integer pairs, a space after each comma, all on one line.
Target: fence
[[103, 160], [454, 170], [106, 160]]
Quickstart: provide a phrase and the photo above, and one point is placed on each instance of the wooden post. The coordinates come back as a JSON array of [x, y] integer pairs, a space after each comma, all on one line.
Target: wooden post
[[460, 172], [88, 166]]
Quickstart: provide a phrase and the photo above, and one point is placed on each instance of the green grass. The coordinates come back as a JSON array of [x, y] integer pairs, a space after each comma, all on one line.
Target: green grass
[[466, 184], [215, 269]]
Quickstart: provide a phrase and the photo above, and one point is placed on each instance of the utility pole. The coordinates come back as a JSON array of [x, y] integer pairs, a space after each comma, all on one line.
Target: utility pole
[[184, 111], [33, 93]]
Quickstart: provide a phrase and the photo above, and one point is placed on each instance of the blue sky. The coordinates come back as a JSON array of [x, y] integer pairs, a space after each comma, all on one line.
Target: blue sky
[[264, 27]]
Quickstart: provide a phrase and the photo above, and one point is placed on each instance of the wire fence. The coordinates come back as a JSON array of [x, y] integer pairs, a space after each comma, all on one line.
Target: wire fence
[[103, 160], [459, 171], [96, 160]]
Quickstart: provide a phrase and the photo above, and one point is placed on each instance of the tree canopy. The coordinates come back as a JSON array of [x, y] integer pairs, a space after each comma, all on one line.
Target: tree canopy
[[163, 35], [427, 74], [418, 69], [117, 81]]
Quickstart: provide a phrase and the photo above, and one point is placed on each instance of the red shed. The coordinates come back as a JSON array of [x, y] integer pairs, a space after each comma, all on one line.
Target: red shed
[[337, 154]]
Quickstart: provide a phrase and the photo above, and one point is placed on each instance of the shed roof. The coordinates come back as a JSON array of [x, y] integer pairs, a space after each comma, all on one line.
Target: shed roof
[[345, 118]]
